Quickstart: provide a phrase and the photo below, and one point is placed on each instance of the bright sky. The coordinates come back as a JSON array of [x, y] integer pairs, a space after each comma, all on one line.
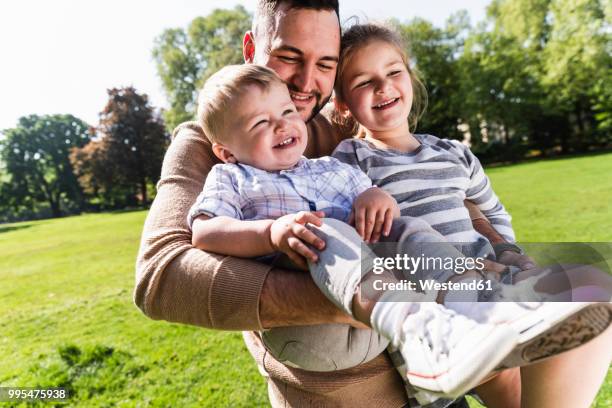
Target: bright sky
[[60, 56]]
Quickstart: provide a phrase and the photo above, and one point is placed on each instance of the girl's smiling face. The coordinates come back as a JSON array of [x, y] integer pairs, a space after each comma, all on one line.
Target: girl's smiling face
[[377, 88]]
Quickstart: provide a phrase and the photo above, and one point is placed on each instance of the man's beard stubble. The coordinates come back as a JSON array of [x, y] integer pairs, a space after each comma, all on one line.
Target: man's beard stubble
[[319, 102]]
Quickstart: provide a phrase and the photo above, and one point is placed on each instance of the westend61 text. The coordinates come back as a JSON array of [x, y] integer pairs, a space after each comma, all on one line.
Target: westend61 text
[[429, 285], [411, 264]]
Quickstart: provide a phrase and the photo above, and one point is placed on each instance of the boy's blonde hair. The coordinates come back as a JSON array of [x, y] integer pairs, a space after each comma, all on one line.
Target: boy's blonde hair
[[221, 91], [361, 35]]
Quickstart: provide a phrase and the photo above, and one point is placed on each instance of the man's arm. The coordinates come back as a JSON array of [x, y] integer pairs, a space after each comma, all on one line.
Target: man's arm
[[180, 283], [483, 226]]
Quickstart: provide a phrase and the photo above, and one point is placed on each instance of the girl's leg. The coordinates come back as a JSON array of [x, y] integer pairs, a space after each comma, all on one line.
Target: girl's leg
[[571, 379], [503, 390]]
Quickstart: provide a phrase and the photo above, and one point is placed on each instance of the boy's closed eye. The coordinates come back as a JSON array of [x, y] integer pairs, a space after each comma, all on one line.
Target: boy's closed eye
[[259, 123]]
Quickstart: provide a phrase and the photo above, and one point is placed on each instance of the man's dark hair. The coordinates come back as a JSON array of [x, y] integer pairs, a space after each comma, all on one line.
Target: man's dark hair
[[266, 9]]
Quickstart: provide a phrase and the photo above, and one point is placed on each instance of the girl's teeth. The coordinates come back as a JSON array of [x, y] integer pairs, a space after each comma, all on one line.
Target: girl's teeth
[[380, 105]]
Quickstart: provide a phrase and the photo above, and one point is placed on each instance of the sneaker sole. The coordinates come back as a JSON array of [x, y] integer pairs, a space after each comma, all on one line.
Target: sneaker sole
[[575, 330], [470, 370]]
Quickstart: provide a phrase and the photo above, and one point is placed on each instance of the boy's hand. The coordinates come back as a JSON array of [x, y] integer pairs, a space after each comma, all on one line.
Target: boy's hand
[[289, 235], [373, 213]]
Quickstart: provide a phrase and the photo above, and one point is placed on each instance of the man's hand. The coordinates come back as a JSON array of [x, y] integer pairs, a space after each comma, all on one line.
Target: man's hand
[[515, 259], [288, 234], [373, 213]]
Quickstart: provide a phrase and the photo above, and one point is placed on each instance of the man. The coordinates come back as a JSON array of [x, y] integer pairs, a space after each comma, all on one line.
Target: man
[[299, 40]]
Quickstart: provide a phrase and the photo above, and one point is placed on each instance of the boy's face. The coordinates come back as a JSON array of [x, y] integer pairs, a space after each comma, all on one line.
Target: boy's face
[[266, 131]]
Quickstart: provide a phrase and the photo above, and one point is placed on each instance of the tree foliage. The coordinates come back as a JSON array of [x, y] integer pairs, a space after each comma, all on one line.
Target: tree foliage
[[533, 78], [127, 156], [186, 58], [568, 49], [36, 165]]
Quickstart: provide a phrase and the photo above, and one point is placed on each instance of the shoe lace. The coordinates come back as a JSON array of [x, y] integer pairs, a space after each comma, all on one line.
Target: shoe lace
[[434, 326]]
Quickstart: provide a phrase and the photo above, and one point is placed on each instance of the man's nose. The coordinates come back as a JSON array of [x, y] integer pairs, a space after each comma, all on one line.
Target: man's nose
[[304, 77]]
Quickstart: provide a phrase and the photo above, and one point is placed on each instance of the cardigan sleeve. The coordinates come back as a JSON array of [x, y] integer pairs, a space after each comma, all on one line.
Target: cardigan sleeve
[[174, 280]]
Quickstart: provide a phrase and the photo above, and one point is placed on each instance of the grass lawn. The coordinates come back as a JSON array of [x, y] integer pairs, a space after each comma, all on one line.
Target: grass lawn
[[67, 317]]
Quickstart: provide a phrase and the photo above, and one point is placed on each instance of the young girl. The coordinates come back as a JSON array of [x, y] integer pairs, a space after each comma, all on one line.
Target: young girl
[[429, 177]]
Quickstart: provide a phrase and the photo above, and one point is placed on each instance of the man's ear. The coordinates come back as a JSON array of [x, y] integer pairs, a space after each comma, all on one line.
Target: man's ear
[[223, 153], [248, 47]]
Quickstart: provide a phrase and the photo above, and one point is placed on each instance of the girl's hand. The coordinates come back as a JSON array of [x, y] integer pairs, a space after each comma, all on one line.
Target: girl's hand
[[288, 234], [373, 213]]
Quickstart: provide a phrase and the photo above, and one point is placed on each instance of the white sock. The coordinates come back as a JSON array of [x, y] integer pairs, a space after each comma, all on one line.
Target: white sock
[[389, 314]]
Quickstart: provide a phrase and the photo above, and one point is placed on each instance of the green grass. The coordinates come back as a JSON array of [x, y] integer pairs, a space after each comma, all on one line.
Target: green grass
[[564, 200], [67, 317]]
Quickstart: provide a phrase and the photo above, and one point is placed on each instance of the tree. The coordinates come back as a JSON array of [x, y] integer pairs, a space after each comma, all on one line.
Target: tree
[[501, 94], [186, 58], [569, 45], [129, 152], [35, 157], [95, 175], [434, 51]]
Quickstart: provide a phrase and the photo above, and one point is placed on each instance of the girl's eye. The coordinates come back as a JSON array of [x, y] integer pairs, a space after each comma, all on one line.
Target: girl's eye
[[362, 84], [287, 112], [394, 73]]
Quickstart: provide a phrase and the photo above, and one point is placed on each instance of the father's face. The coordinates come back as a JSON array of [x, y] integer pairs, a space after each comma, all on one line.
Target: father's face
[[303, 50]]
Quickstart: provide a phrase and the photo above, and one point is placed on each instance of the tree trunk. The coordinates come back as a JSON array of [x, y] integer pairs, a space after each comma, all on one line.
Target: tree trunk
[[143, 191], [582, 140], [55, 208], [53, 203]]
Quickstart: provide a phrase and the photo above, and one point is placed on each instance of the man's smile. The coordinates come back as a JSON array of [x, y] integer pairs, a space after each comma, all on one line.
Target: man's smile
[[301, 98]]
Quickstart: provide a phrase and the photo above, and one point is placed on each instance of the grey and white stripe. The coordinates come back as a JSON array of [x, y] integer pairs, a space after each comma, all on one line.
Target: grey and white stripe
[[431, 183]]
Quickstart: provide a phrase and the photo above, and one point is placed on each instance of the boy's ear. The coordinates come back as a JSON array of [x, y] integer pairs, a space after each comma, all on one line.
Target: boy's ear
[[223, 153], [248, 47]]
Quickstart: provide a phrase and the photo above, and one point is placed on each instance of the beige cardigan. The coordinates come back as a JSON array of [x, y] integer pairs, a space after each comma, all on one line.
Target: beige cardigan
[[179, 283]]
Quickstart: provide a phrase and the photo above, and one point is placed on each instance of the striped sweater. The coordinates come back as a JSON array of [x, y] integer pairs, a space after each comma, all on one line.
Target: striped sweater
[[431, 183]]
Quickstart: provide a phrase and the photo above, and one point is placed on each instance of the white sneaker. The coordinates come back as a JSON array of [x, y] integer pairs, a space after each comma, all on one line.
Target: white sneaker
[[544, 329], [445, 353]]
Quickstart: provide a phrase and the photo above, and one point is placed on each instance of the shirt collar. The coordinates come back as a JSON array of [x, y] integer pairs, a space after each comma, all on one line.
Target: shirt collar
[[302, 163]]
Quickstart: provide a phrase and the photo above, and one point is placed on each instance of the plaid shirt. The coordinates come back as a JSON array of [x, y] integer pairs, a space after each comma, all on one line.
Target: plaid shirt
[[246, 193]]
